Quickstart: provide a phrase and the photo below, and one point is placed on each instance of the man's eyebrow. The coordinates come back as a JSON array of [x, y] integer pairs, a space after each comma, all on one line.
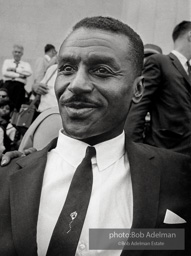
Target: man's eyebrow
[[98, 59], [67, 58]]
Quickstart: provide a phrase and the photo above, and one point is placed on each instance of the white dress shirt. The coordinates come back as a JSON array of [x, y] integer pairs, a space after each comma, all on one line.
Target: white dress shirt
[[111, 203], [49, 100], [23, 68], [2, 147], [10, 132], [40, 68], [183, 60]]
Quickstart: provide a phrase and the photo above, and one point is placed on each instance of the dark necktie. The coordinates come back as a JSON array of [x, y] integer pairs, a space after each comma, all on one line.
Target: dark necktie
[[17, 63], [189, 70], [68, 228]]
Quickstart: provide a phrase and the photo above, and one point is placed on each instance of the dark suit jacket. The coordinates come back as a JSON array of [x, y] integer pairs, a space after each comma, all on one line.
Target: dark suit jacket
[[160, 181], [167, 97]]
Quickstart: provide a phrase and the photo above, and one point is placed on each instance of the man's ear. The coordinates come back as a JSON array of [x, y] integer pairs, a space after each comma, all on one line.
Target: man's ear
[[138, 89]]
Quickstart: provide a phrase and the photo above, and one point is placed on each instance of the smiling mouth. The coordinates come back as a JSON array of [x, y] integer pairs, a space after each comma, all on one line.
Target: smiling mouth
[[79, 109], [79, 113], [79, 105]]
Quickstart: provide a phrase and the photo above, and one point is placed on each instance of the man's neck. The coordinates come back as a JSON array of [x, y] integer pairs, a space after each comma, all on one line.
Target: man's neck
[[183, 50], [99, 138], [17, 61]]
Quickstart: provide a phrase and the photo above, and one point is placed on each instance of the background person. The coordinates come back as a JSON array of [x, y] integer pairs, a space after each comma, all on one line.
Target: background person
[[43, 63], [166, 97], [46, 89], [149, 49], [7, 131], [15, 73]]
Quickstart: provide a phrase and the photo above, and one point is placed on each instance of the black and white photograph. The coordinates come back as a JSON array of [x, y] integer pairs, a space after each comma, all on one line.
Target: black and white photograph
[[95, 128]]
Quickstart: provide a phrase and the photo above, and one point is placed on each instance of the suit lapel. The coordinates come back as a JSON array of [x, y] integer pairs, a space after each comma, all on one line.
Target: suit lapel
[[145, 176], [179, 66], [26, 184], [25, 191]]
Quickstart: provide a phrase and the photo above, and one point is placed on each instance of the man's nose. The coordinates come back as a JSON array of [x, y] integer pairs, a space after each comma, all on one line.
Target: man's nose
[[81, 82]]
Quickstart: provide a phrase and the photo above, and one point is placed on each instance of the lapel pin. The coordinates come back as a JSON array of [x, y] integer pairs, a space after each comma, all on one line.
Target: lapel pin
[[73, 215]]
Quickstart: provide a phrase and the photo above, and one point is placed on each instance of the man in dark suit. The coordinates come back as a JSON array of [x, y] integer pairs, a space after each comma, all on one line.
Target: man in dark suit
[[167, 97], [134, 185]]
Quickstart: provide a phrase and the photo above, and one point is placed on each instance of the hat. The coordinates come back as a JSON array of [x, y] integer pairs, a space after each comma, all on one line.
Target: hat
[[152, 49]]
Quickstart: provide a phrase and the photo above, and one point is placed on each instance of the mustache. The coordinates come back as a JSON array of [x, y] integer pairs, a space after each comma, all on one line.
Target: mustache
[[79, 99]]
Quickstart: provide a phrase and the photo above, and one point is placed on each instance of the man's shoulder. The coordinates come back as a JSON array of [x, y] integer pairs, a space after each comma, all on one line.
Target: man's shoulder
[[8, 61], [40, 59], [23, 62], [158, 62], [160, 58], [6, 171], [172, 165], [166, 155]]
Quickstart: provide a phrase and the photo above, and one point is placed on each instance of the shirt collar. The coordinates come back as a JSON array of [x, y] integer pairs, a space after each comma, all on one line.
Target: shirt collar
[[14, 61], [107, 152], [183, 60]]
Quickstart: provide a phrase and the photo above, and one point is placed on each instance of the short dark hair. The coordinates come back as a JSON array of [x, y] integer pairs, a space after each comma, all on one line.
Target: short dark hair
[[117, 27], [181, 29], [48, 47]]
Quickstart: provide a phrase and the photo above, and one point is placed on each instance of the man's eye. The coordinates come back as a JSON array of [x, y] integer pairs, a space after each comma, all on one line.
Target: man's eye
[[67, 69], [103, 72]]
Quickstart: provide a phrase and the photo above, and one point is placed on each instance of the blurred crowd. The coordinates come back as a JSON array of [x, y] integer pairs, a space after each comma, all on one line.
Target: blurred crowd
[[19, 108]]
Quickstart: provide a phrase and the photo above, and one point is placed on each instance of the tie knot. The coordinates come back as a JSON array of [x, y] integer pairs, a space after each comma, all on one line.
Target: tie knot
[[90, 152], [17, 63]]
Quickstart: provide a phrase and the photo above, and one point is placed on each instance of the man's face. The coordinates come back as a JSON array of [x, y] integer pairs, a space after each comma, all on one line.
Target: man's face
[[94, 84], [17, 53]]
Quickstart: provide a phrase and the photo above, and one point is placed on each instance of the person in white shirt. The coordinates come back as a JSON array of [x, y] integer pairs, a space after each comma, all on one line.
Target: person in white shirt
[[15, 73], [43, 63], [99, 75], [167, 95], [46, 89]]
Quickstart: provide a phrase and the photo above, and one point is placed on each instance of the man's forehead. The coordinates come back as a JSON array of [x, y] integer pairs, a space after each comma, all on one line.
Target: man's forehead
[[87, 38], [17, 49]]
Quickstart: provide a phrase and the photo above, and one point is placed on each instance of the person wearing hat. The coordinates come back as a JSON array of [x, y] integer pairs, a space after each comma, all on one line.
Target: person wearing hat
[[150, 49], [167, 97]]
